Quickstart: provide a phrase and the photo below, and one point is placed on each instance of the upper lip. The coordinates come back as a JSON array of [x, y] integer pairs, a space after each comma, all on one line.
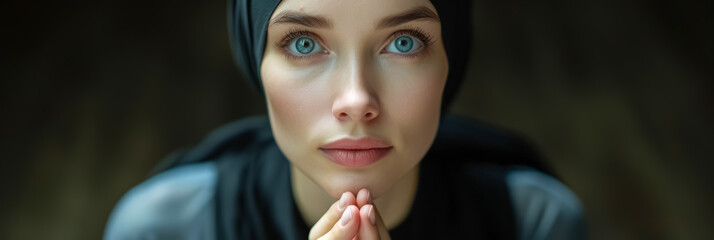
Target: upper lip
[[357, 144]]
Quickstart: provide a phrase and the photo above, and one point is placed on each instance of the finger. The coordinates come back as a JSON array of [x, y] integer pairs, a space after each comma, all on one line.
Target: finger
[[364, 196], [381, 227], [368, 220], [346, 228], [328, 220]]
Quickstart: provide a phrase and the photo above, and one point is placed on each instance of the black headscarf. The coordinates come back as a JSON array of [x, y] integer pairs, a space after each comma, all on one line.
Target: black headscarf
[[248, 22]]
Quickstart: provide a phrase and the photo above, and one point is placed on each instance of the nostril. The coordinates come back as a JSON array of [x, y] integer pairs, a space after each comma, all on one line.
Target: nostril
[[343, 115], [368, 115]]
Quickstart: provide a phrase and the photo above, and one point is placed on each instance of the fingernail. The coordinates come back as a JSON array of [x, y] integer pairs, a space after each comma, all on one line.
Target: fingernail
[[346, 217], [371, 214], [369, 197], [343, 202]]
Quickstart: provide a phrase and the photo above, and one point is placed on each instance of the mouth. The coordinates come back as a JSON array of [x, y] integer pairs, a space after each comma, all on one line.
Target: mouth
[[356, 153]]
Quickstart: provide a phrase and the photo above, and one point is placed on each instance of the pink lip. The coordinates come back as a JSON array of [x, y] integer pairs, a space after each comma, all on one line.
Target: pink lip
[[356, 153]]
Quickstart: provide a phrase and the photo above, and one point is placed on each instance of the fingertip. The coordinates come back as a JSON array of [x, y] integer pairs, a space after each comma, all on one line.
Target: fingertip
[[347, 226], [345, 200], [368, 228], [346, 218], [353, 209], [354, 213], [367, 212], [342, 203], [351, 197], [364, 196]]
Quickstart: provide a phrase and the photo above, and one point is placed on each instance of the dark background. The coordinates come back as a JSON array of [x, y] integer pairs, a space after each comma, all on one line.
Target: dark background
[[616, 94]]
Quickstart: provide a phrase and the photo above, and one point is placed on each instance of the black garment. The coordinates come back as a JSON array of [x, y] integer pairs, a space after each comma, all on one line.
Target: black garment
[[461, 190]]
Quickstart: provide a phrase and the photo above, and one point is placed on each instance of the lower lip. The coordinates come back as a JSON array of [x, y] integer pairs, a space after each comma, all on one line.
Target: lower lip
[[356, 157]]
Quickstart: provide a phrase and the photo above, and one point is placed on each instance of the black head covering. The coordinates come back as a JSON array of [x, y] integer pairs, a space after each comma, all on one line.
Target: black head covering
[[248, 22]]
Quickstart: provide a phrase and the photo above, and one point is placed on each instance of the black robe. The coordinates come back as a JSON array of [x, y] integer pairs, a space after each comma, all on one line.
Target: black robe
[[461, 190]]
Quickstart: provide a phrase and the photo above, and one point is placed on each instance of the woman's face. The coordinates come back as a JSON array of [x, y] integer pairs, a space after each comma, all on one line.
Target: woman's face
[[370, 73]]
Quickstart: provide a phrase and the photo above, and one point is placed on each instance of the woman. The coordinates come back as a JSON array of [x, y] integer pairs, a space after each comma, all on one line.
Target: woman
[[355, 144]]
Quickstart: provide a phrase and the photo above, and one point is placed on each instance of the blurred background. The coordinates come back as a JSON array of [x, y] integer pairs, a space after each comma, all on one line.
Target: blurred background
[[617, 95]]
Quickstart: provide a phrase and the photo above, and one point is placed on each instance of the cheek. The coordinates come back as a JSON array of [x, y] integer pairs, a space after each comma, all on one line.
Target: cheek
[[293, 106], [288, 105], [416, 103]]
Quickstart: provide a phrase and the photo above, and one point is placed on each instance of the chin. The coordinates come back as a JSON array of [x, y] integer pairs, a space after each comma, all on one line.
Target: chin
[[339, 182]]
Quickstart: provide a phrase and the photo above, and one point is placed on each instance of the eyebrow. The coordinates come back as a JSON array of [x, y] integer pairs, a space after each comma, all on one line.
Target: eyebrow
[[293, 17], [417, 13], [301, 19]]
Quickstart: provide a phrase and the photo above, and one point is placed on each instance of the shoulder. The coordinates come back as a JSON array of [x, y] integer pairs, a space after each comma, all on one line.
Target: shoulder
[[459, 136], [544, 208], [240, 137], [507, 174], [175, 204]]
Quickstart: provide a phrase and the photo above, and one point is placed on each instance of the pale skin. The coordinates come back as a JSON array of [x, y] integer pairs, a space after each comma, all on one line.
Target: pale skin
[[353, 69]]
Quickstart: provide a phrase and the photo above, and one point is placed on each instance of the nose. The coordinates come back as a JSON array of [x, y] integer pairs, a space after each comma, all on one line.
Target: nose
[[355, 101]]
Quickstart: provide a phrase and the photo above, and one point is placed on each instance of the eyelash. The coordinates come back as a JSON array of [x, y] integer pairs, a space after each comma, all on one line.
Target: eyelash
[[418, 33], [289, 37]]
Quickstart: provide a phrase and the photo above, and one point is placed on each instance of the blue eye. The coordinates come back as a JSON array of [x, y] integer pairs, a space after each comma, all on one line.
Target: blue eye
[[304, 46], [404, 44]]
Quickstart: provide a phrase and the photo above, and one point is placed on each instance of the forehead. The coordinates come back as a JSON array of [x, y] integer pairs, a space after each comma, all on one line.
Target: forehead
[[350, 11]]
